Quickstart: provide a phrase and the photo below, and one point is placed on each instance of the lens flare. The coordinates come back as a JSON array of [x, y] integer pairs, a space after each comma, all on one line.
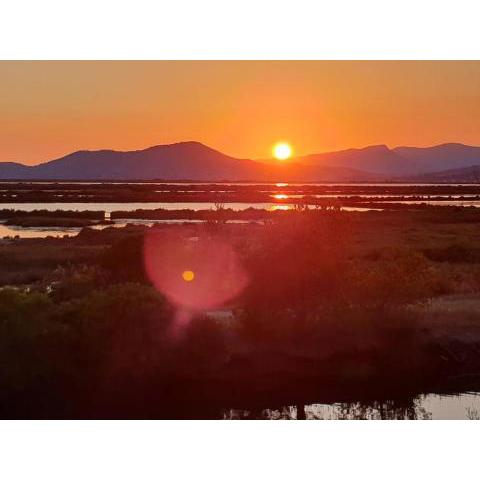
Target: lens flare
[[196, 276], [188, 275]]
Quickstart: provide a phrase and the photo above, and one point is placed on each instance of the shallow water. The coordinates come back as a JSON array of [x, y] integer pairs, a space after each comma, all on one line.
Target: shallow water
[[129, 207], [272, 184], [463, 406], [132, 206], [43, 232], [35, 232], [452, 203], [281, 200]]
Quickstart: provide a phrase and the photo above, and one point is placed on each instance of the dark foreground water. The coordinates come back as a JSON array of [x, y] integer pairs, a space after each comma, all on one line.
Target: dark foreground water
[[464, 406]]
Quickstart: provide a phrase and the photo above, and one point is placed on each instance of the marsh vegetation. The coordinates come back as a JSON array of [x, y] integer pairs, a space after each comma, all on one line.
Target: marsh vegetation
[[339, 306]]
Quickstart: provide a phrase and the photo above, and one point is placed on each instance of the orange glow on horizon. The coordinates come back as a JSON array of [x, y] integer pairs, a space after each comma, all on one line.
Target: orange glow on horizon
[[52, 108]]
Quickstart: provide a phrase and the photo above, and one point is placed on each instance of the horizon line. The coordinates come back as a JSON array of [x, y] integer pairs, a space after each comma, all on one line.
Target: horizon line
[[262, 160]]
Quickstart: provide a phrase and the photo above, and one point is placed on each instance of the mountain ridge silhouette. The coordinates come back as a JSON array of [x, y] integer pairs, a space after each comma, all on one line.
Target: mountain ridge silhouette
[[192, 160]]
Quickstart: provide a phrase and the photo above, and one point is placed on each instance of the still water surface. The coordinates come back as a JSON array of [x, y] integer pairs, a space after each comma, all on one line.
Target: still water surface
[[42, 232], [281, 200], [464, 406], [132, 206]]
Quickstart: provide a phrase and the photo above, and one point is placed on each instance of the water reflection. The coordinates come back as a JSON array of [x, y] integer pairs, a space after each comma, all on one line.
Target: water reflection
[[273, 208], [342, 411], [13, 231], [465, 406], [16, 231]]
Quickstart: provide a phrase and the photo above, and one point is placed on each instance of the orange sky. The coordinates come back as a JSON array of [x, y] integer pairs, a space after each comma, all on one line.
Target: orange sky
[[48, 109]]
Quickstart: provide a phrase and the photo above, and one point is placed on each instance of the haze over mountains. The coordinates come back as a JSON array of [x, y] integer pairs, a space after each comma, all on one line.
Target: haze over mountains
[[195, 161]]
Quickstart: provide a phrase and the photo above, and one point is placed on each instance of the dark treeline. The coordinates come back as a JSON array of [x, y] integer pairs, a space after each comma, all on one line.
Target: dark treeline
[[305, 188], [14, 213], [223, 213]]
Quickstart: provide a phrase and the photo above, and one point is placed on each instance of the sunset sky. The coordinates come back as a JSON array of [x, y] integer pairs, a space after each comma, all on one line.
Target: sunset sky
[[48, 109]]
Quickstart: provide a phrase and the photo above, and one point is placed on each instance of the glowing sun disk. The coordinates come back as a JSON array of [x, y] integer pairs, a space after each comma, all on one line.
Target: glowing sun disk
[[282, 151]]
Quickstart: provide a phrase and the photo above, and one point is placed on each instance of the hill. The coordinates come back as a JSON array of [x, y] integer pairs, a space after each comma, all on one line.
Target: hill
[[399, 161], [447, 156], [195, 161], [378, 159], [179, 161]]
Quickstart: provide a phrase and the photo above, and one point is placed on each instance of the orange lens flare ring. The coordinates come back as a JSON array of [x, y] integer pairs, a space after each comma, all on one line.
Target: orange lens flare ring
[[188, 275], [196, 276]]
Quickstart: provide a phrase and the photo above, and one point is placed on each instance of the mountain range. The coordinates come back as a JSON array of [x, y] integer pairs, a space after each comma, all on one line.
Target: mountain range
[[195, 161]]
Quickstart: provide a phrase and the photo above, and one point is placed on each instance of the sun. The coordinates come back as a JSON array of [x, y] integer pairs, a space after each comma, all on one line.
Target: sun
[[282, 151]]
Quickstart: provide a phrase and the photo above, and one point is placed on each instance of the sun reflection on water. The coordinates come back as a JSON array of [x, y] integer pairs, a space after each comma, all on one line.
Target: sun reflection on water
[[280, 207]]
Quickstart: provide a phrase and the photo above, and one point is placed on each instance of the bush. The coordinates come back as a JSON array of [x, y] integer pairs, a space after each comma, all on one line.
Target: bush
[[110, 338], [453, 253], [123, 261]]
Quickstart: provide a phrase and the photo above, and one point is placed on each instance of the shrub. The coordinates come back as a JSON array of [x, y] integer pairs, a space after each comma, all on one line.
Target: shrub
[[453, 253], [123, 261]]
